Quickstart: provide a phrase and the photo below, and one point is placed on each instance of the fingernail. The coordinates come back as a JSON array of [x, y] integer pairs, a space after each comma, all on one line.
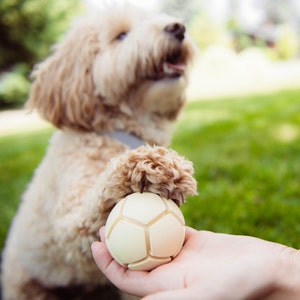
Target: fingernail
[[102, 233]]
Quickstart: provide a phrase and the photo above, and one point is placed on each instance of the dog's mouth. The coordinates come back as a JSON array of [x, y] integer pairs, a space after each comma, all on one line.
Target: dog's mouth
[[172, 67], [172, 70]]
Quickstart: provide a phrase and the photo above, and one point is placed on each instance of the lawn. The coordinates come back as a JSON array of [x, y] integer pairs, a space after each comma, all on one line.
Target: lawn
[[246, 157], [19, 156]]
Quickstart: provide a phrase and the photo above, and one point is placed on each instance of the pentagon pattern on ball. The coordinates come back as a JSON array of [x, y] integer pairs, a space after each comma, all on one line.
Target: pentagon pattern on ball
[[144, 231]]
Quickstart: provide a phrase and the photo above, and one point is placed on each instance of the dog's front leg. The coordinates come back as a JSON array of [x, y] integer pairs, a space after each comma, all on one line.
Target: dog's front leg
[[147, 169]]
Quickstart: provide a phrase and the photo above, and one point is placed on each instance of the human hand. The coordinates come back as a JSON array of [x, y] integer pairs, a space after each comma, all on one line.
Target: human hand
[[212, 266]]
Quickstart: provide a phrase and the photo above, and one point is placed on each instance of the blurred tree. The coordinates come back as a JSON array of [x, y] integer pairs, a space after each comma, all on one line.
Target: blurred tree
[[287, 43], [27, 29], [276, 31], [206, 32]]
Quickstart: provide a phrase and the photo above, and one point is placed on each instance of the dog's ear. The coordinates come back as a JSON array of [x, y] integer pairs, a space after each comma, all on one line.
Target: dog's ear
[[63, 88]]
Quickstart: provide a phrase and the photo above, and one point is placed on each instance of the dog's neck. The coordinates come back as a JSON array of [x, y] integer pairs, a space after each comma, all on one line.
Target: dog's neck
[[127, 139]]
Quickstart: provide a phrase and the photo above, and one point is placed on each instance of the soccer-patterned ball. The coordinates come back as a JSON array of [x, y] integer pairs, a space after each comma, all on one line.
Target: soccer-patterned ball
[[144, 231]]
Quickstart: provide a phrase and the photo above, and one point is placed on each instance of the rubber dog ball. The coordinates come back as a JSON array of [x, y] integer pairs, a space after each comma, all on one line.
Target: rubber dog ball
[[144, 231]]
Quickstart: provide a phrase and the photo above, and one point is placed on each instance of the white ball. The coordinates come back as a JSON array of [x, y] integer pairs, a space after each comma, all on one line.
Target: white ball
[[144, 231]]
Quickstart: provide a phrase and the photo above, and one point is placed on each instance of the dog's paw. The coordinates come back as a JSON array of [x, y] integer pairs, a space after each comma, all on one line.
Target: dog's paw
[[152, 169]]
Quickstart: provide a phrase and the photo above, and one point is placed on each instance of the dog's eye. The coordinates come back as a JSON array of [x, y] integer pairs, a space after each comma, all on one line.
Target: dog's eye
[[121, 36]]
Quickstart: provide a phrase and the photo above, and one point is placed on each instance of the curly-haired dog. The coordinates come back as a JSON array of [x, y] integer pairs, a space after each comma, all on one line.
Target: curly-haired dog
[[115, 82]]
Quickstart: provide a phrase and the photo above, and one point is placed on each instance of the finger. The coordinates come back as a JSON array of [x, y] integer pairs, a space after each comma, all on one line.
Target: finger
[[174, 295], [101, 255], [102, 234], [132, 282], [109, 267], [189, 232]]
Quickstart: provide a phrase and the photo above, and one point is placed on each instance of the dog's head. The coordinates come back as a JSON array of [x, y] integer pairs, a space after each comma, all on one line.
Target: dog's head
[[124, 69]]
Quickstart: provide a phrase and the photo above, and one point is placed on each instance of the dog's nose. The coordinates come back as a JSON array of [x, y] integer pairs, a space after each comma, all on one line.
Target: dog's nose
[[177, 30]]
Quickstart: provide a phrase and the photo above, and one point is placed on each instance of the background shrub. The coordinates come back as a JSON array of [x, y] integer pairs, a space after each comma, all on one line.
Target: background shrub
[[27, 29]]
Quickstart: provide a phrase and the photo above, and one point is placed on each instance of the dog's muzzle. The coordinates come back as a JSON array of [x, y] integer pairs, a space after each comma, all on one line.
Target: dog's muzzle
[[173, 62], [177, 30]]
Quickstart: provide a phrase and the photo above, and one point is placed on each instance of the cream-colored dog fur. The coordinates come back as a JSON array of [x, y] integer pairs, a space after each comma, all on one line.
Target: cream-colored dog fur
[[123, 70]]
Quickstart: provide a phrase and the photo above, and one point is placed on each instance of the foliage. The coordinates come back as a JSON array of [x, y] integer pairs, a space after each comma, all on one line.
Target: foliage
[[206, 32], [287, 44], [27, 29], [277, 32], [246, 159], [14, 86]]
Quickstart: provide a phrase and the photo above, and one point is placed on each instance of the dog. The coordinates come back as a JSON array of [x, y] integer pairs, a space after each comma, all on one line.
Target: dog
[[113, 88]]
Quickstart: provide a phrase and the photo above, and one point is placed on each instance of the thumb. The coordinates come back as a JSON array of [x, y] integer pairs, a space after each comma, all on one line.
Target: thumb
[[173, 295]]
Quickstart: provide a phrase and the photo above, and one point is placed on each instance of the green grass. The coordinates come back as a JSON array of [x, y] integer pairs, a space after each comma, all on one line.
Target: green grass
[[247, 165], [19, 156], [246, 157]]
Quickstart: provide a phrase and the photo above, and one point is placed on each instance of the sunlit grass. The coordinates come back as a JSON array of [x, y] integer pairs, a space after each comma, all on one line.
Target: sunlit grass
[[19, 156], [246, 157], [17, 122]]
